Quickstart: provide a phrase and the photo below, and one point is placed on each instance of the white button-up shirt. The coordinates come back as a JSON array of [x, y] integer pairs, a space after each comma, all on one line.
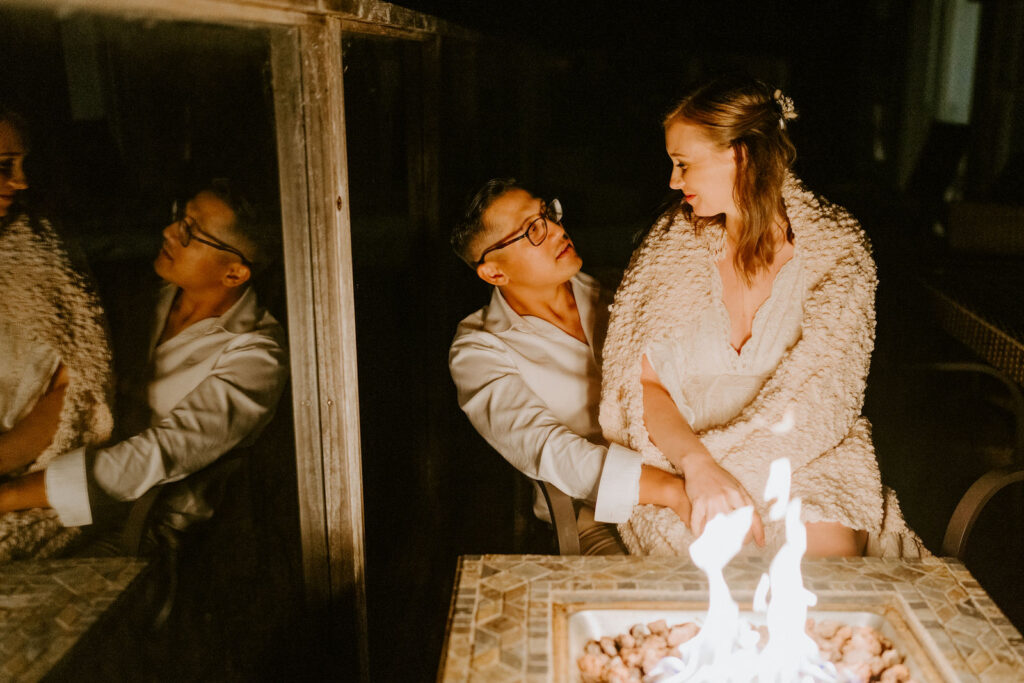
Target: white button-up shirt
[[213, 386], [532, 391]]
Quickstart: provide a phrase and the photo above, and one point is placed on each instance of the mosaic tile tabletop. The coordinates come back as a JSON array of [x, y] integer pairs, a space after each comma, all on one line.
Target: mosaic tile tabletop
[[47, 605], [504, 607]]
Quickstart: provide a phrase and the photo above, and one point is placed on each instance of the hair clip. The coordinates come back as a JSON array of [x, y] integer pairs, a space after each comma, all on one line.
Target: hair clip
[[787, 111]]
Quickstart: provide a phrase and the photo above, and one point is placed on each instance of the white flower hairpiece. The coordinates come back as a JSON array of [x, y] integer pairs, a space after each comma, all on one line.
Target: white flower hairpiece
[[787, 111]]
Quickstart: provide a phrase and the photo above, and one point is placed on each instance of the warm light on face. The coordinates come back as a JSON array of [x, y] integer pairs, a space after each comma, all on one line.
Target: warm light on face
[[703, 171], [552, 261], [12, 171]]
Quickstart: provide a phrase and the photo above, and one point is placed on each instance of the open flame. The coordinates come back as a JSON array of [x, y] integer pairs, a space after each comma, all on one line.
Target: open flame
[[726, 648]]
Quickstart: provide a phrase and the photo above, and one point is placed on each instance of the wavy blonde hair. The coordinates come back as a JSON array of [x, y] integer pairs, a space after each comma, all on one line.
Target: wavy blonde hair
[[746, 115]]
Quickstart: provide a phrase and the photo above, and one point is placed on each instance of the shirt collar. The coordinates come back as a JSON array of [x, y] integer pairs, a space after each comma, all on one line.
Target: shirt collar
[[241, 317], [499, 316]]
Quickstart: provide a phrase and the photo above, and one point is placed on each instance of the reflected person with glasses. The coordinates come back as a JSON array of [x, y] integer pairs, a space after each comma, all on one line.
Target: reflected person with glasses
[[527, 367], [202, 376]]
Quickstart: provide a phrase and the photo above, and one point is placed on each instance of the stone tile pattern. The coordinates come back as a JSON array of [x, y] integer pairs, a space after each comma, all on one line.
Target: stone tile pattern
[[501, 611], [47, 605]]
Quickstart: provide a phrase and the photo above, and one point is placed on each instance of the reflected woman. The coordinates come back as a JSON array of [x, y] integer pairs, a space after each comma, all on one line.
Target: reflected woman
[[742, 333], [55, 379]]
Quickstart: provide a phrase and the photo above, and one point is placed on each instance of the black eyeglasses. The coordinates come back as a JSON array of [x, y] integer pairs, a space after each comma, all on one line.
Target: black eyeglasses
[[187, 229], [536, 231]]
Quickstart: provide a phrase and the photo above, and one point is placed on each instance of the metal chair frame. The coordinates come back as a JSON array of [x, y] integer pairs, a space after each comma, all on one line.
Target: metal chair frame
[[563, 518]]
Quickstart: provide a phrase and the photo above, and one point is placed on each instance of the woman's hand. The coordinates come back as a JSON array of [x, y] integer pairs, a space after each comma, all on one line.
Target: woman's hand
[[712, 491]]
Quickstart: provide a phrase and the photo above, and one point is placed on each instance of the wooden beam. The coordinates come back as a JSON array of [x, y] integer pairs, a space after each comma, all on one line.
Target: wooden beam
[[334, 286], [309, 105], [286, 74], [387, 14], [365, 27], [218, 11], [372, 15]]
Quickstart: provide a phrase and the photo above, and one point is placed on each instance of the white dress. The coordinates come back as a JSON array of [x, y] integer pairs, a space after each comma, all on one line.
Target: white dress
[[708, 380], [26, 366]]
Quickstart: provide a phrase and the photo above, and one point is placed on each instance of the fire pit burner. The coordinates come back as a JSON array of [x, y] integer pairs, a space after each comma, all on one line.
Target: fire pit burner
[[589, 624]]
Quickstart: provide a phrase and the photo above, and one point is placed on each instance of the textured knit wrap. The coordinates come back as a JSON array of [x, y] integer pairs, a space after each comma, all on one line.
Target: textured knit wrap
[[819, 381], [52, 304]]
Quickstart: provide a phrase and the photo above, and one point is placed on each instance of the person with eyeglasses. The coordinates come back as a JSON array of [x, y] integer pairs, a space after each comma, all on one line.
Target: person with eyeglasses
[[527, 367], [211, 367]]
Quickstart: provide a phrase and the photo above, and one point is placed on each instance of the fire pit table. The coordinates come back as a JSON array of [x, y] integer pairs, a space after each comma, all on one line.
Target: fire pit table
[[522, 617]]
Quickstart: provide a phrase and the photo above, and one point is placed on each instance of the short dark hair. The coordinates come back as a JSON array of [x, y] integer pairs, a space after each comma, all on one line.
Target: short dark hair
[[472, 224], [251, 222]]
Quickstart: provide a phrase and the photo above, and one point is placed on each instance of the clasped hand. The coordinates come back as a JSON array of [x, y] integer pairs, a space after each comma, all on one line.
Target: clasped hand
[[712, 491]]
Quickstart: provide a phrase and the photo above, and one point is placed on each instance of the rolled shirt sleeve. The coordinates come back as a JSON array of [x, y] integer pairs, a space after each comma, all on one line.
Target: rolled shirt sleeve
[[517, 423], [67, 488], [232, 403], [619, 488]]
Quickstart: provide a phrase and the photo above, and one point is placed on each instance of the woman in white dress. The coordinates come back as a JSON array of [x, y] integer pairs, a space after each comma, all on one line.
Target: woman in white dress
[[742, 333]]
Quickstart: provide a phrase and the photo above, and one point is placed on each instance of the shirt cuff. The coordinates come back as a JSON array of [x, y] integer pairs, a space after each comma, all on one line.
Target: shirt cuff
[[67, 488], [619, 489]]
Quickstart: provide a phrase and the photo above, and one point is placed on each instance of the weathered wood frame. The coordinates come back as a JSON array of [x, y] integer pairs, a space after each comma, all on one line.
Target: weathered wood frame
[[309, 108], [307, 74]]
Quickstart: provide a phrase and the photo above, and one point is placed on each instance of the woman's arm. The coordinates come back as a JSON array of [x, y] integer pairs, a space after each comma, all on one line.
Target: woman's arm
[[34, 432], [710, 489], [24, 493], [658, 487]]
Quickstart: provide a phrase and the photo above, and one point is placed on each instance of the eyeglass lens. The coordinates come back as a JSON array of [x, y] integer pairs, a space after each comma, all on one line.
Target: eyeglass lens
[[553, 211], [184, 231], [537, 231]]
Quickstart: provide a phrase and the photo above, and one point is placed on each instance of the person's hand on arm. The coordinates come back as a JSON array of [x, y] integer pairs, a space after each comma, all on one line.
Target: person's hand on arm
[[658, 487], [710, 488], [34, 432]]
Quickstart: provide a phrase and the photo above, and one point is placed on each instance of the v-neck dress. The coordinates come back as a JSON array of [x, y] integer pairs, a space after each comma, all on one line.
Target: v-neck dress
[[708, 380]]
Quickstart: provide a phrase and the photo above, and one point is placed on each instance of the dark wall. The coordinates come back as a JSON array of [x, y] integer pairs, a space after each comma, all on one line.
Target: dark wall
[[127, 116]]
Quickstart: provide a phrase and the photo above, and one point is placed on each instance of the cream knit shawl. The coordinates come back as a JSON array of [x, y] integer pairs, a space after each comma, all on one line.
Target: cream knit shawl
[[51, 301], [819, 382]]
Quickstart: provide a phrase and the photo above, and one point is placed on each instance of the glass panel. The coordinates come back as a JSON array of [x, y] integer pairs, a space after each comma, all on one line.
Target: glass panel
[[125, 117]]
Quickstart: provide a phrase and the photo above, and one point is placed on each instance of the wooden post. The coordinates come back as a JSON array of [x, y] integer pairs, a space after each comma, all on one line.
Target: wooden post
[[309, 107]]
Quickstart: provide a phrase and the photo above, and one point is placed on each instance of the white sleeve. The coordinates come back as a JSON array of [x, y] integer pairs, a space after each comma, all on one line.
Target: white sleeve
[[619, 490], [520, 426], [235, 401], [66, 488]]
